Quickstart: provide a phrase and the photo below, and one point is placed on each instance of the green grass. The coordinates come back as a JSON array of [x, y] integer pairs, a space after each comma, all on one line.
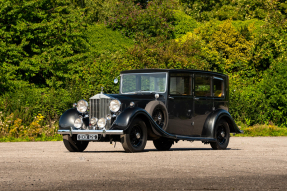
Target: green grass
[[262, 131], [56, 137]]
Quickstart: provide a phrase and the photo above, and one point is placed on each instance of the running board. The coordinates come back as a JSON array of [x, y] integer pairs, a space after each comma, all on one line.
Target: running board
[[206, 139]]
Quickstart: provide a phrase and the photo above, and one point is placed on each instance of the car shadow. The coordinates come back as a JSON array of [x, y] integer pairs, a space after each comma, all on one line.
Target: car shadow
[[186, 149], [155, 150]]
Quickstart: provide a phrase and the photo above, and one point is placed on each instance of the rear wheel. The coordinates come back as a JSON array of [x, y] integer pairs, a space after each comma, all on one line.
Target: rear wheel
[[163, 144], [222, 135], [136, 137], [73, 145]]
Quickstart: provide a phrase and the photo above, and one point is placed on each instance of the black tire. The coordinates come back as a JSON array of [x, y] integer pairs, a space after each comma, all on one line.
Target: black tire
[[163, 144], [73, 145], [158, 112], [136, 137], [222, 135]]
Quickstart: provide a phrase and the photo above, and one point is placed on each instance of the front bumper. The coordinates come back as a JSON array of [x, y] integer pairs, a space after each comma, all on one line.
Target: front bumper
[[103, 131]]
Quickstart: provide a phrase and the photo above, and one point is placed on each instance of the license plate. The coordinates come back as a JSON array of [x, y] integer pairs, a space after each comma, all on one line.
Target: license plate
[[87, 137]]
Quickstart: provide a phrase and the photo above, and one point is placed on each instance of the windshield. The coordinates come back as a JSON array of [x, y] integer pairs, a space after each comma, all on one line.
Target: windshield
[[142, 82]]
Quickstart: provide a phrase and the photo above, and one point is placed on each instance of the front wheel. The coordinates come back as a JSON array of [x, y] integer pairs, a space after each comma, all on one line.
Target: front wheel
[[73, 145], [136, 137], [222, 135]]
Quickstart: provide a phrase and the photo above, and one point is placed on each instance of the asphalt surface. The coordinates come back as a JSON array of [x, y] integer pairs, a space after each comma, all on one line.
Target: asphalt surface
[[248, 164]]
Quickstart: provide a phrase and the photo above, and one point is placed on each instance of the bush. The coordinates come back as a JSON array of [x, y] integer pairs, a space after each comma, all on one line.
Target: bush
[[161, 54], [41, 42], [228, 43], [153, 21], [183, 23], [205, 10], [262, 102]]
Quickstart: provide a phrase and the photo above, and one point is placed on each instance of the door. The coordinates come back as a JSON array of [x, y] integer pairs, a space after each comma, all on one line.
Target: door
[[180, 104], [203, 101]]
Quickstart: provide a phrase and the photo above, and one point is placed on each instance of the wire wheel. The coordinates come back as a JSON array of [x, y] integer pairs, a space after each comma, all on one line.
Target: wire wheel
[[158, 116], [159, 113]]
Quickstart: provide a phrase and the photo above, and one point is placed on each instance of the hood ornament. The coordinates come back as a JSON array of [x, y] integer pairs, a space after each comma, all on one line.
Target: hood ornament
[[102, 90]]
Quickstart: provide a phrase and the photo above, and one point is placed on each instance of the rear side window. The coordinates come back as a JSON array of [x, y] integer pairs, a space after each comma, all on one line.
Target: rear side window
[[180, 84], [202, 86], [218, 87]]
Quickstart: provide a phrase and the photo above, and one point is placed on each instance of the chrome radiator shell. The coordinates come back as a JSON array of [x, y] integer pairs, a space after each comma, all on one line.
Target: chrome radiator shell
[[99, 108]]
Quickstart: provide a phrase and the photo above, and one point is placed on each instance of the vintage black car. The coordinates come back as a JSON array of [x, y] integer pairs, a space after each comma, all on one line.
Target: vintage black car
[[161, 105]]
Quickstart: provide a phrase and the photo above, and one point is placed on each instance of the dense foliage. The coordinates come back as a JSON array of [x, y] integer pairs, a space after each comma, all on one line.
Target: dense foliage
[[55, 52]]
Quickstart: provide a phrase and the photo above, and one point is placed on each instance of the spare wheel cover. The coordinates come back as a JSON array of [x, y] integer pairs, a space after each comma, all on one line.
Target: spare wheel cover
[[158, 112]]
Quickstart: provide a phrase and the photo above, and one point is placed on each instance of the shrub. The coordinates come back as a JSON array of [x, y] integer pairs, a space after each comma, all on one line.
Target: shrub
[[183, 23], [170, 54], [263, 101], [228, 43], [133, 20], [41, 42], [205, 10]]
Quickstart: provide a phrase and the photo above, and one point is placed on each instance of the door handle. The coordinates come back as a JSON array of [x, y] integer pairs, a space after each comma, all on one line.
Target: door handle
[[170, 97], [196, 98]]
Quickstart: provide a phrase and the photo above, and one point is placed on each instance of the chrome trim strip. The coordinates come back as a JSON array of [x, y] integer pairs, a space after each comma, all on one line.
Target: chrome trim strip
[[107, 132]]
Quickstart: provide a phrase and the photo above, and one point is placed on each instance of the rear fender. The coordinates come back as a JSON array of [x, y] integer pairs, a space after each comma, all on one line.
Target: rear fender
[[209, 125]]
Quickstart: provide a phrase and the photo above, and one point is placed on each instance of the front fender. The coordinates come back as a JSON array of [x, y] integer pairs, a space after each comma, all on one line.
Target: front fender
[[209, 125], [123, 121], [67, 119]]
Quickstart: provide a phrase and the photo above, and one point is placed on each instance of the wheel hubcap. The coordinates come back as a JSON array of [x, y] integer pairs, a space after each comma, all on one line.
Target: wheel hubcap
[[158, 117], [221, 135], [138, 135]]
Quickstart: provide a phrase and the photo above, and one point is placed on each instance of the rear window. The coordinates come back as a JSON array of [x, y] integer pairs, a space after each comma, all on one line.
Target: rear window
[[218, 87], [202, 86]]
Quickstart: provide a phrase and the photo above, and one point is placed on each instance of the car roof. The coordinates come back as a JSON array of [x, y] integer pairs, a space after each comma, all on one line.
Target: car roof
[[172, 71]]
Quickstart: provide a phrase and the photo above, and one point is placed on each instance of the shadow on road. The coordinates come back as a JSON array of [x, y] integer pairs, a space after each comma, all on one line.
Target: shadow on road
[[155, 150]]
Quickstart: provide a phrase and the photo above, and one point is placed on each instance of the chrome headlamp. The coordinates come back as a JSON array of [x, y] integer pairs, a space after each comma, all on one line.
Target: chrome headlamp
[[82, 106], [94, 121], [115, 105], [102, 123], [78, 123]]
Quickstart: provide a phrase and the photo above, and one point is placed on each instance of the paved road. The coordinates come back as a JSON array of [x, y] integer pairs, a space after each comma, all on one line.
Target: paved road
[[248, 164]]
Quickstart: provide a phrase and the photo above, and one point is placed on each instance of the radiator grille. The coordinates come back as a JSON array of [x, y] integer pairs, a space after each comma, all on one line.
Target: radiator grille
[[99, 108]]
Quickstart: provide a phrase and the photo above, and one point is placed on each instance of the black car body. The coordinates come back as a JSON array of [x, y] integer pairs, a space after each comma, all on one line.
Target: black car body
[[163, 105]]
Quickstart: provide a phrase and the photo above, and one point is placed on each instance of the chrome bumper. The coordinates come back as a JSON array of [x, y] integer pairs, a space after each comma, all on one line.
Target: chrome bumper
[[104, 132]]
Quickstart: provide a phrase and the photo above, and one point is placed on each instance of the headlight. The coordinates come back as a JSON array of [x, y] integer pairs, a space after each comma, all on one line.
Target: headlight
[[78, 123], [102, 123], [115, 105], [94, 121], [82, 106]]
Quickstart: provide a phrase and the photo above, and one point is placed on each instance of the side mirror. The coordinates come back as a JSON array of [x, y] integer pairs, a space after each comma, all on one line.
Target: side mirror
[[116, 80]]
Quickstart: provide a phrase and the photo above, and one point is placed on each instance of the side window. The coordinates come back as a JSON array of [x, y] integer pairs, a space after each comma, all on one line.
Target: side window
[[218, 87], [180, 84], [202, 86]]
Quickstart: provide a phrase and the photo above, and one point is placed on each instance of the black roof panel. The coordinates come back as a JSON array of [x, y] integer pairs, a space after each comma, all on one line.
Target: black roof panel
[[170, 71]]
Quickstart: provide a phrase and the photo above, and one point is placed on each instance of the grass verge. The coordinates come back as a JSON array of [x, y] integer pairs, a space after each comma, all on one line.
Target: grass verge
[[56, 137], [262, 131]]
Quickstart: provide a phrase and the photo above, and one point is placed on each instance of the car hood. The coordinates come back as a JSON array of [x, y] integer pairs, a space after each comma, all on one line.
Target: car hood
[[140, 100]]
